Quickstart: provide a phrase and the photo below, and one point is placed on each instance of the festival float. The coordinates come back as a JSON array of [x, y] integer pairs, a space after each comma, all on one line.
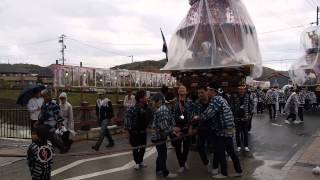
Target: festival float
[[305, 72], [215, 42]]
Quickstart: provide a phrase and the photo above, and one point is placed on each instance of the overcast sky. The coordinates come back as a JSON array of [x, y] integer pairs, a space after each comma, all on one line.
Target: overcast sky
[[102, 33]]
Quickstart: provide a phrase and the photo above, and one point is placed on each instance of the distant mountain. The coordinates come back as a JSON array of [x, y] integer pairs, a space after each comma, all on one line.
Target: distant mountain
[[148, 66]]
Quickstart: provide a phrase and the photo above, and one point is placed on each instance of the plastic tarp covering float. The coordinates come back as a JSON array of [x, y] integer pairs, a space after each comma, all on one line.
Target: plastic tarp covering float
[[314, 3], [74, 76], [215, 34], [306, 70]]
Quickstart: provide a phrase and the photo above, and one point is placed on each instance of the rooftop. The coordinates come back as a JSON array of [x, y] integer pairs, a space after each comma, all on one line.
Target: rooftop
[[26, 69]]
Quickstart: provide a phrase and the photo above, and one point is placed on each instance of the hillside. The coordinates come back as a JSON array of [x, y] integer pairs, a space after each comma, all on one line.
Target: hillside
[[149, 66], [155, 66]]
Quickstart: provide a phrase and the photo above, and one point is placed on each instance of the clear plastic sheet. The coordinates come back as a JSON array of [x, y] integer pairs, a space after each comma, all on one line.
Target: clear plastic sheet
[[306, 70], [214, 34], [73, 76], [314, 3]]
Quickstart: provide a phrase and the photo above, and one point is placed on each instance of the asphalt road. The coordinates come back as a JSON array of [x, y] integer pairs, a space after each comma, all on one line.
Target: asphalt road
[[272, 145]]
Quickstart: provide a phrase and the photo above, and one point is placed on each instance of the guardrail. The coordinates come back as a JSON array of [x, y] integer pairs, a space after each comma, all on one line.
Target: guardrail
[[15, 123]]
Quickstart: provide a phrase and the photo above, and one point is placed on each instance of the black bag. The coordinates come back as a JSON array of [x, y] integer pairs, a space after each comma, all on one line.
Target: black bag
[[158, 137]]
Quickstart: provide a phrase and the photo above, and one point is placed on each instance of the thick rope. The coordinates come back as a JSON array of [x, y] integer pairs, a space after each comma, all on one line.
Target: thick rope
[[102, 152]]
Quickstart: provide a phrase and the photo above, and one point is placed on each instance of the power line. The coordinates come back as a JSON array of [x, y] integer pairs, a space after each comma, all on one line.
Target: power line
[[282, 29], [120, 44], [273, 60], [97, 48], [32, 43], [280, 52]]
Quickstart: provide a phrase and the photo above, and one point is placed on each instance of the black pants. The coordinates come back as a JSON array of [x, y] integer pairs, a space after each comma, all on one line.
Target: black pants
[[138, 139], [182, 150], [66, 139], [161, 163], [260, 107], [56, 142], [272, 111], [42, 179], [242, 133], [202, 144], [281, 107], [32, 125], [307, 105], [300, 113], [292, 116], [225, 144], [250, 123]]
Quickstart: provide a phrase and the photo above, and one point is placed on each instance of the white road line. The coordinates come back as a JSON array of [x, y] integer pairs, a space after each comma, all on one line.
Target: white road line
[[76, 163], [275, 124], [122, 168]]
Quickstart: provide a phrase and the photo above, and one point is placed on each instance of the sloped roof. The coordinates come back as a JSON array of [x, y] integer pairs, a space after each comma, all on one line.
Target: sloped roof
[[267, 73], [8, 68], [42, 72], [26, 69]]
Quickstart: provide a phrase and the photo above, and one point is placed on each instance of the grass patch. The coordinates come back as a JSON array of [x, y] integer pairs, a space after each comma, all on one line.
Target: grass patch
[[73, 97], [9, 94]]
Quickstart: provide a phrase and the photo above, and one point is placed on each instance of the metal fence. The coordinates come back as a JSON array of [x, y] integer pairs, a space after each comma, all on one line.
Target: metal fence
[[15, 123]]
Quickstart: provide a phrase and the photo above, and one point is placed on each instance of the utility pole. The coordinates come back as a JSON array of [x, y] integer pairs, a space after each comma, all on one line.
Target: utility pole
[[63, 47], [317, 15], [131, 58]]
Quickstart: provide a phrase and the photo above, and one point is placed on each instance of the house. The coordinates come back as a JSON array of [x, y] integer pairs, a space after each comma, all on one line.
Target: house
[[45, 76], [13, 77], [279, 79], [20, 75]]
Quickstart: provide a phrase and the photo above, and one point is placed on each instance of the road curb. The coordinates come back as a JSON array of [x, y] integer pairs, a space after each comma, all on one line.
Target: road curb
[[285, 169]]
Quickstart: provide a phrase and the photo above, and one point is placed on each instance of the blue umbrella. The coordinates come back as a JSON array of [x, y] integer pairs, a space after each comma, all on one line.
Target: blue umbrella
[[27, 94]]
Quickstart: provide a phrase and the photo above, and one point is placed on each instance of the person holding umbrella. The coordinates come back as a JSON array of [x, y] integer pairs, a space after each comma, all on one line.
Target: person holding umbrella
[[31, 97], [34, 106]]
